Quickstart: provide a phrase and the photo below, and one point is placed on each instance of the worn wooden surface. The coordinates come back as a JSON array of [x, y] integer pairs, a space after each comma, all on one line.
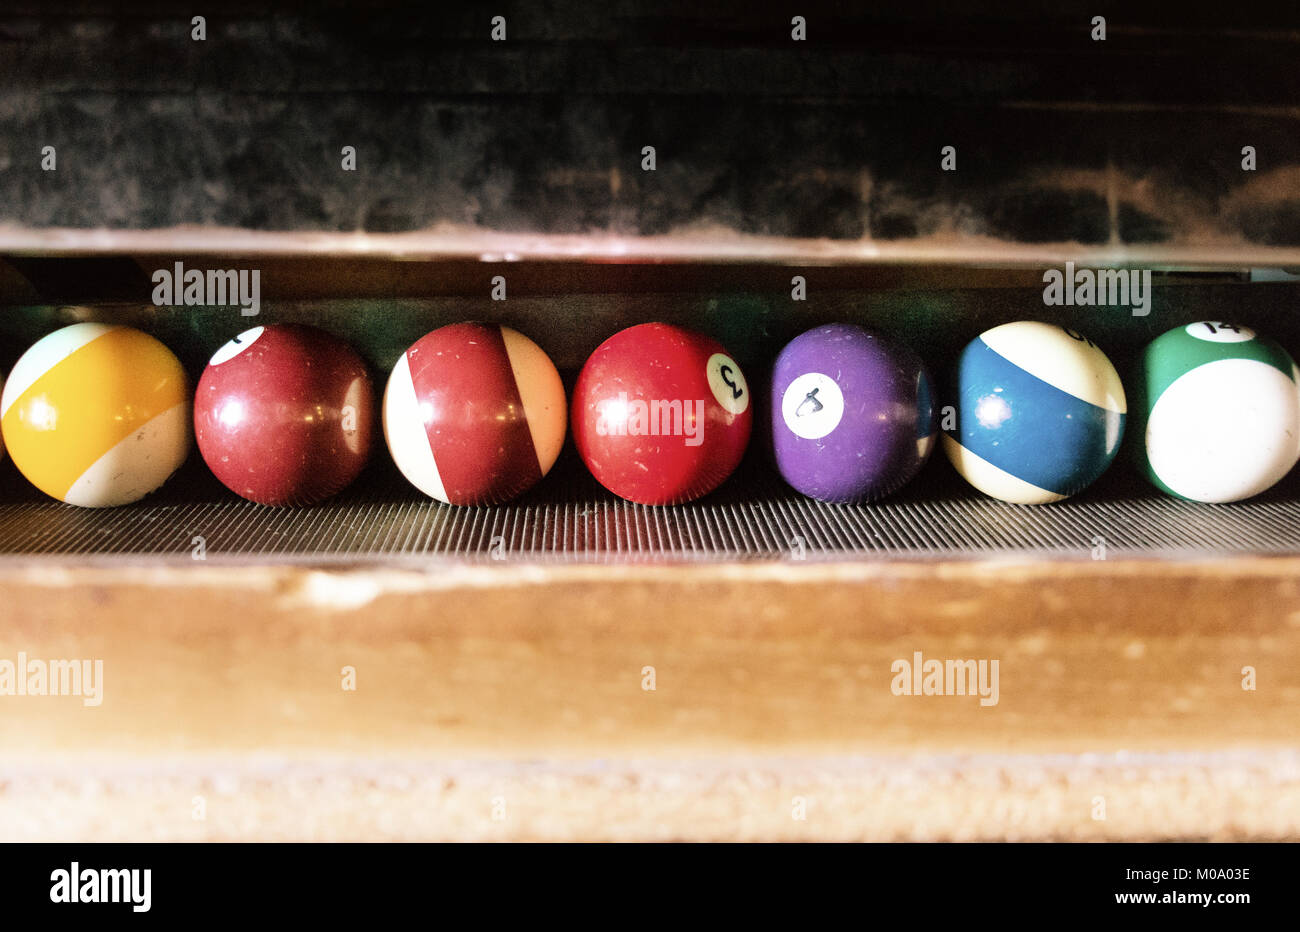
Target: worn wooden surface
[[1131, 142], [1118, 680], [1111, 797]]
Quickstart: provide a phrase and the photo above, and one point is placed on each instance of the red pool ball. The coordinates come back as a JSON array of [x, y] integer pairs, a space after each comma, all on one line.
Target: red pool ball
[[284, 414], [661, 415]]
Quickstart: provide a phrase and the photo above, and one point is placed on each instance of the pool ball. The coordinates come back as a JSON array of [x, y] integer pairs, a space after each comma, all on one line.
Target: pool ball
[[1220, 412], [1037, 413], [284, 414], [96, 414], [852, 414], [661, 415], [474, 414]]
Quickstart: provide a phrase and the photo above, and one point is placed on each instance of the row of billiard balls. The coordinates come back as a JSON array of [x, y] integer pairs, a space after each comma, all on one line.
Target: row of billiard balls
[[474, 413]]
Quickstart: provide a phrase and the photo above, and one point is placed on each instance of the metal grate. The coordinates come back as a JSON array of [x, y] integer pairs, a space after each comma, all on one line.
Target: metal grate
[[570, 518]]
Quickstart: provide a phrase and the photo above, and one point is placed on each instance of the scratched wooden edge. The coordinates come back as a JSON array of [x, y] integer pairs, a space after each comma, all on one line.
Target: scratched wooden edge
[[336, 586], [706, 245], [408, 573]]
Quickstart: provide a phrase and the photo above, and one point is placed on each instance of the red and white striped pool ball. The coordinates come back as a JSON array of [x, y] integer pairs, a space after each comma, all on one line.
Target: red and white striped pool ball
[[474, 414]]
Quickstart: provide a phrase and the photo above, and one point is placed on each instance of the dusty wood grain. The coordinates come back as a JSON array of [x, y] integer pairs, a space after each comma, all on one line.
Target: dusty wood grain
[[1219, 797], [546, 662], [1122, 680]]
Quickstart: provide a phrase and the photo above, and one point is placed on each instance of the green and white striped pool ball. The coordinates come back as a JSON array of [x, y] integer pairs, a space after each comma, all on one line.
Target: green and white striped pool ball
[[1219, 410]]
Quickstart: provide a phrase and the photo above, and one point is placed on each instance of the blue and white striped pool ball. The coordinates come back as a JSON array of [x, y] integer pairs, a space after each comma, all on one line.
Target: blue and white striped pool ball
[[1038, 413]]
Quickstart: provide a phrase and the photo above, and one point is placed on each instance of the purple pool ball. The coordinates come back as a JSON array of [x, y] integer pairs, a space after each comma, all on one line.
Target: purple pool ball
[[852, 414]]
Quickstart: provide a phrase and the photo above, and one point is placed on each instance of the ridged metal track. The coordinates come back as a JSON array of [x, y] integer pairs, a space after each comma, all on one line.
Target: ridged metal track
[[570, 518]]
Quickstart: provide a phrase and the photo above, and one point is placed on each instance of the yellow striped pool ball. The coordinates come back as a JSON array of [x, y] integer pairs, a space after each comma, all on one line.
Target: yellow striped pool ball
[[96, 414]]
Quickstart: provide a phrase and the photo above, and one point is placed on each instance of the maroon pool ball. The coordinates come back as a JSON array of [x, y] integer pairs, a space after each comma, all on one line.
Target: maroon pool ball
[[284, 414]]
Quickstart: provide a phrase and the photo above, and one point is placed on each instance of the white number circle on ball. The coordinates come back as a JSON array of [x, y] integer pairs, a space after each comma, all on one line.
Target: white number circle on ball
[[236, 346], [1213, 331], [727, 383], [812, 405]]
